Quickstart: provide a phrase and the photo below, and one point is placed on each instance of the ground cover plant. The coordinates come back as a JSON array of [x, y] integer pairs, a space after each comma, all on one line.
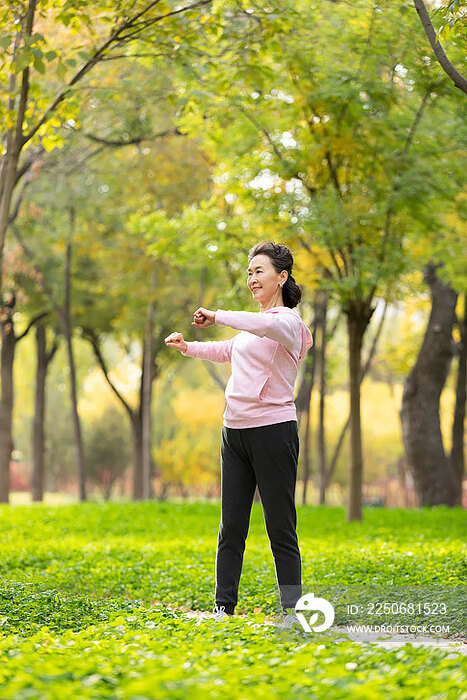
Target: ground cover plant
[[93, 599]]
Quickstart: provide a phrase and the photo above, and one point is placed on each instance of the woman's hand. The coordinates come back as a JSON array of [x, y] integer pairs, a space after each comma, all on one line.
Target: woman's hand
[[175, 340], [203, 318]]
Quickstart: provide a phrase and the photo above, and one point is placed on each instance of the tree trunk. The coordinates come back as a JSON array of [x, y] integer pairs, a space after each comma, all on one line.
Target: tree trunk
[[137, 426], [304, 409], [108, 488], [142, 486], [358, 317], [402, 474], [164, 487], [43, 360], [303, 402], [364, 371], [12, 145], [434, 477], [322, 401], [7, 184], [306, 454], [39, 411], [135, 416], [6, 400], [146, 393], [457, 452], [67, 326]]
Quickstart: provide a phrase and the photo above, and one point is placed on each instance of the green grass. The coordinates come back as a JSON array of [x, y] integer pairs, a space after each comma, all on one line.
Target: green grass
[[85, 590]]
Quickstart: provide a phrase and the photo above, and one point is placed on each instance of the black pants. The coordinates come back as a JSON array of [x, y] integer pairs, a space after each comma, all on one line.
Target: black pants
[[266, 455]]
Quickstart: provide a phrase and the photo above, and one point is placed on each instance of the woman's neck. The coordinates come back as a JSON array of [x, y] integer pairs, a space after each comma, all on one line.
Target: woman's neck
[[273, 304]]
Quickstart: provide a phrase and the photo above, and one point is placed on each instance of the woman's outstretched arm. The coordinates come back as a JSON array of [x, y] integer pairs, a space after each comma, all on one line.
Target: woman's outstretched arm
[[285, 328], [214, 350]]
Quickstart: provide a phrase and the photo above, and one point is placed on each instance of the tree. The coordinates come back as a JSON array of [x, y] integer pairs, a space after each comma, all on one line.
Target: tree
[[9, 342], [437, 477], [38, 103], [334, 156], [112, 292], [28, 116]]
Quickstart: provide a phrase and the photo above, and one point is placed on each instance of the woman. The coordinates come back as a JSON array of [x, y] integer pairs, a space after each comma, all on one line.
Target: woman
[[260, 442]]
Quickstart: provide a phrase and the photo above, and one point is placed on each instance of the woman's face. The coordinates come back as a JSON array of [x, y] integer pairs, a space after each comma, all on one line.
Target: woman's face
[[263, 281]]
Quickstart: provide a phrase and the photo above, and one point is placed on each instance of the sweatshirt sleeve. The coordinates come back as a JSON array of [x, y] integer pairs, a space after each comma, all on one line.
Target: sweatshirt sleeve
[[283, 328], [214, 350]]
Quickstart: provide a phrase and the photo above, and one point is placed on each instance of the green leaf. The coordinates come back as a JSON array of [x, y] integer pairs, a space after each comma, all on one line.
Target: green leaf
[[22, 61], [61, 70], [66, 18], [39, 64], [5, 42]]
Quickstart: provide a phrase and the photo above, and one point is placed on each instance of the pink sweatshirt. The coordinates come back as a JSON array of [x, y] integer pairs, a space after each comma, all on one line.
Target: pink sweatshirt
[[264, 359]]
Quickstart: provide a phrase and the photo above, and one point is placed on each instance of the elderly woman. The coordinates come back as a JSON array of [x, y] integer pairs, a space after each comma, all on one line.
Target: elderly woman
[[260, 443]]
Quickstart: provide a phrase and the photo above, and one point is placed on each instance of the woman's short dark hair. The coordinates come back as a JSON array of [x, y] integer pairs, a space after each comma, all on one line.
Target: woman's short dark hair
[[282, 259]]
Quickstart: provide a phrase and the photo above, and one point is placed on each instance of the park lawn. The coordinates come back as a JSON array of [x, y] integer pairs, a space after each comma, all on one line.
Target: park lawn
[[88, 591]]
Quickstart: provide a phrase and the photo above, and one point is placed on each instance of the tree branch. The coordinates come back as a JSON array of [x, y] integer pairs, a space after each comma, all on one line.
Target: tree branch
[[396, 183], [137, 139], [115, 38], [147, 23], [25, 77], [19, 200], [38, 152], [93, 153], [31, 324], [91, 336], [305, 245], [49, 356], [456, 77], [116, 57], [311, 190]]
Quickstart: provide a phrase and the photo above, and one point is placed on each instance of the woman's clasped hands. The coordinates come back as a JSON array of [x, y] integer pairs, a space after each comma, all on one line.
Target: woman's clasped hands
[[202, 318]]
